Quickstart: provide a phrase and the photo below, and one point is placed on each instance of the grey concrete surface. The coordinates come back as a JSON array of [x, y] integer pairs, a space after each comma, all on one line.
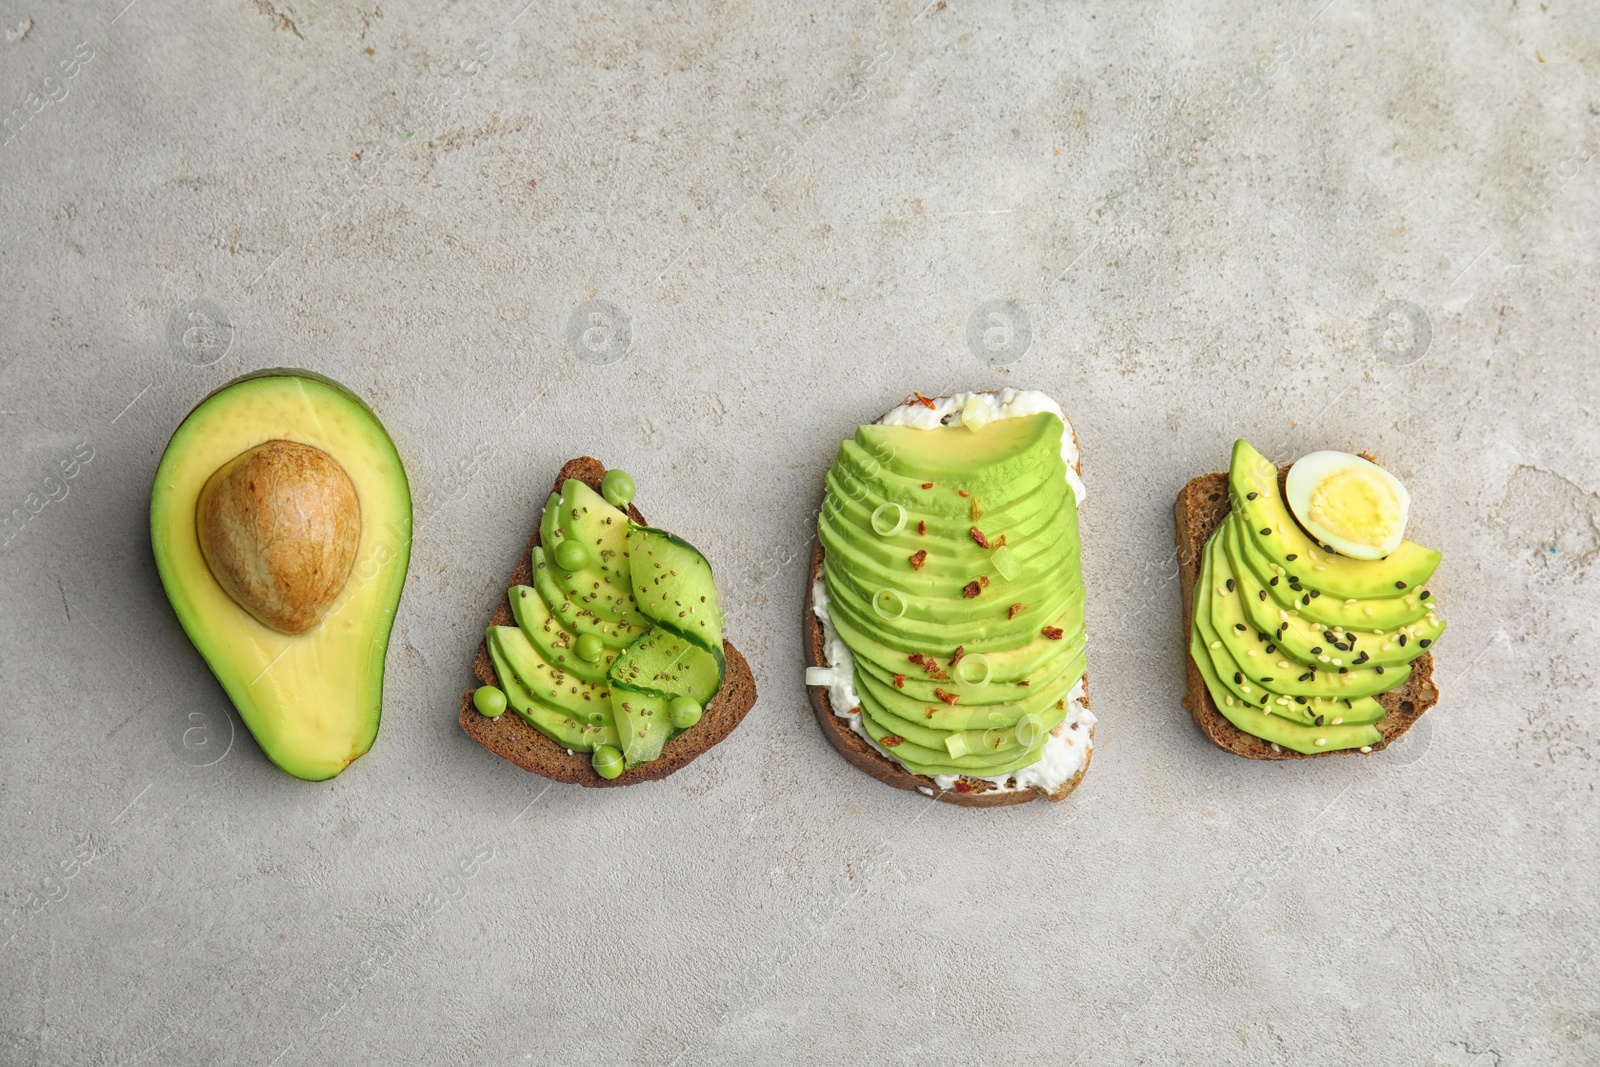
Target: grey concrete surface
[[701, 242]]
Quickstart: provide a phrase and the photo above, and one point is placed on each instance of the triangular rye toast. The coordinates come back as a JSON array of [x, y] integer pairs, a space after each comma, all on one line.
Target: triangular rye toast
[[509, 736]]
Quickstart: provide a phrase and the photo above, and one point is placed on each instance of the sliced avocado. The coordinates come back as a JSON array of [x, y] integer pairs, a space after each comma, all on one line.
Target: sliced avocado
[[1268, 695], [1386, 613], [923, 759], [550, 686], [936, 714], [556, 645], [1253, 485], [673, 586], [1010, 664], [1003, 452], [574, 617], [665, 664], [1223, 613], [1305, 641], [514, 660], [1270, 727], [312, 699], [601, 584]]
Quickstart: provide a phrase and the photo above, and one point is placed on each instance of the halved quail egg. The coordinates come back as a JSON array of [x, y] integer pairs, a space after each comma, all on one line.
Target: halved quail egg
[[1350, 504]]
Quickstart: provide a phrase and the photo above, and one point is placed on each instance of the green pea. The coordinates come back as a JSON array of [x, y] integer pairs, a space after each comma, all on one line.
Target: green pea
[[684, 711], [572, 556], [607, 761], [590, 648], [489, 701], [617, 487]]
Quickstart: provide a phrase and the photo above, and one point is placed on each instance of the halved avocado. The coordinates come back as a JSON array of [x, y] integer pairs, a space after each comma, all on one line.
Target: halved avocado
[[311, 699]]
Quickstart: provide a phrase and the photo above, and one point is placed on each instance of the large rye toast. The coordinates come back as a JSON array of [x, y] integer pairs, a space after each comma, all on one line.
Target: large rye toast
[[1200, 509], [855, 748], [509, 736]]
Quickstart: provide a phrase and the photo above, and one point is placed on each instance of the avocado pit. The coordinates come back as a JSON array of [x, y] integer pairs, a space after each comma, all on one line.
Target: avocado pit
[[279, 526]]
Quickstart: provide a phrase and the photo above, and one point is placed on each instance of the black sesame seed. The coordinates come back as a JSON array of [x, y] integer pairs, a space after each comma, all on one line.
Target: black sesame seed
[[1294, 577], [1271, 649], [1316, 592], [1305, 602], [1251, 496], [1402, 640], [1262, 593], [1238, 679], [1379, 669], [1274, 580], [1230, 585], [1399, 585], [1341, 646], [1264, 697], [1291, 557], [1344, 670], [1239, 626], [1328, 635], [1306, 677], [1299, 700], [1319, 720], [1425, 642], [1266, 530], [1265, 680], [1424, 594], [1317, 651]]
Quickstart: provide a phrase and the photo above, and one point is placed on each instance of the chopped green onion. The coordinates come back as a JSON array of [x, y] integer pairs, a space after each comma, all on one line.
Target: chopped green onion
[[964, 674], [1006, 563], [889, 605], [888, 520]]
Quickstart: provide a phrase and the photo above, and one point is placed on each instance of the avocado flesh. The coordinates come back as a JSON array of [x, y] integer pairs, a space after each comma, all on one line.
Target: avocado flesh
[[1226, 659], [1343, 577], [1238, 617], [1389, 613], [1305, 640], [578, 704], [312, 701], [580, 514], [518, 669], [556, 646], [1015, 481], [994, 457]]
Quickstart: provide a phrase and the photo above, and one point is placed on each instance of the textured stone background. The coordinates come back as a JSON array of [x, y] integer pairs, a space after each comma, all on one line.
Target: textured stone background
[[702, 242]]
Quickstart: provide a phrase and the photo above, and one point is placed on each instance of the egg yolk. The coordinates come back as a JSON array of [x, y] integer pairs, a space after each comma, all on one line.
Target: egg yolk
[[1354, 505]]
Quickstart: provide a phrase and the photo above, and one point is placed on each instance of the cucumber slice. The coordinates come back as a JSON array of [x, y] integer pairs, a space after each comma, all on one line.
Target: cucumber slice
[[643, 724], [673, 586], [664, 664]]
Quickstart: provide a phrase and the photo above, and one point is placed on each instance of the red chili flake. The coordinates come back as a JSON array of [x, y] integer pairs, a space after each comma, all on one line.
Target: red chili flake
[[977, 510], [1054, 633], [1002, 542], [922, 528], [1026, 681], [927, 485], [948, 698], [890, 740], [1017, 609], [928, 714], [917, 658], [855, 711], [924, 401], [918, 558], [983, 580], [970, 590], [899, 681], [962, 787], [961, 650], [977, 535], [962, 492]]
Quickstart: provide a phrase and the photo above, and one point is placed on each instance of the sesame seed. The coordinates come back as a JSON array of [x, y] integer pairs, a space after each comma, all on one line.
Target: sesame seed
[[1291, 557], [1321, 741], [1379, 669], [1244, 689], [1274, 580], [1336, 722], [1399, 585], [1283, 664], [1319, 720], [1251, 496], [1230, 701], [1366, 748], [1230, 585], [1425, 642], [1266, 531], [1369, 611], [1318, 566], [1216, 644], [1239, 626], [1322, 659], [1317, 650]]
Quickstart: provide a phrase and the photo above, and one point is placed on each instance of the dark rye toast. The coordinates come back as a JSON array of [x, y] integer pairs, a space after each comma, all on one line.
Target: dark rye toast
[[1200, 508], [510, 737], [855, 748]]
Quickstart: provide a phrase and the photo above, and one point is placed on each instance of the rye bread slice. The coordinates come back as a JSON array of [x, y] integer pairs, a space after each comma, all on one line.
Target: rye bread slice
[[1199, 510], [512, 738], [855, 748]]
